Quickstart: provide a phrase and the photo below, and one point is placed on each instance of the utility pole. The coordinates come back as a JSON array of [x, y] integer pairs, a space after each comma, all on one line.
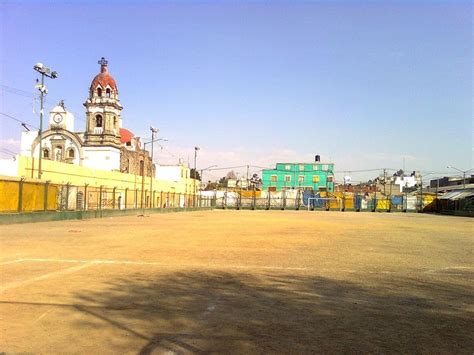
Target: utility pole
[[384, 180], [421, 193], [153, 131], [195, 177], [247, 177], [344, 193], [44, 71]]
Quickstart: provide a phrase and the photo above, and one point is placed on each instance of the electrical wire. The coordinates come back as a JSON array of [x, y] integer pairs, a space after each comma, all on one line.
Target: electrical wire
[[17, 120]]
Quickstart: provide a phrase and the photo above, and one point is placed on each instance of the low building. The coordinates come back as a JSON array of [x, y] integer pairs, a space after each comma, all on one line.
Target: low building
[[315, 176]]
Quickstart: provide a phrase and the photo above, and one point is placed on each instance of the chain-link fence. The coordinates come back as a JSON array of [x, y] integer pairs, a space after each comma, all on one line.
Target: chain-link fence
[[309, 200]]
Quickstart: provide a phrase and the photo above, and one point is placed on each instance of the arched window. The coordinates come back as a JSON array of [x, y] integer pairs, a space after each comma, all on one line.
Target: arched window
[[46, 153], [70, 153], [107, 92], [99, 92], [98, 121]]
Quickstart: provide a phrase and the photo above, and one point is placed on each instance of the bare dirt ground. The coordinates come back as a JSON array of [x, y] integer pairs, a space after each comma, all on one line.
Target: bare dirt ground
[[239, 282]]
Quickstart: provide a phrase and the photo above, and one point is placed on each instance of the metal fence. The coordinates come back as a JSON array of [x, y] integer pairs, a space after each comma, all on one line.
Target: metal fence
[[300, 200], [25, 196], [19, 195]]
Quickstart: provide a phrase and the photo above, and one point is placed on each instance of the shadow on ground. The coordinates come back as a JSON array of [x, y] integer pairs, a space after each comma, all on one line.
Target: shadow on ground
[[196, 312]]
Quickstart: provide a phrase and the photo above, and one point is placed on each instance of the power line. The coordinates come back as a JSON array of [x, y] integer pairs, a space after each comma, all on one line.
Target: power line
[[17, 120], [30, 95], [8, 152]]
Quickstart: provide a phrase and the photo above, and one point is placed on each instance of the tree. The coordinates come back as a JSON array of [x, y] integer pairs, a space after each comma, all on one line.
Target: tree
[[195, 174], [231, 175]]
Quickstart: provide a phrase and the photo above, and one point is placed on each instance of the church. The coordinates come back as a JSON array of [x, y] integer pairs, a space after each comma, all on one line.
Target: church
[[104, 145]]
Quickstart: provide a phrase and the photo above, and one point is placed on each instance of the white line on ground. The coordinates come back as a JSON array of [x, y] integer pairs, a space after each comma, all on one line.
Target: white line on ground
[[12, 261], [43, 277], [130, 262], [42, 316]]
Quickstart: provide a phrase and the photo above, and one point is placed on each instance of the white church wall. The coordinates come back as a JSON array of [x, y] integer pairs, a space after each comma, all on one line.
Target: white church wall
[[104, 158], [169, 173], [26, 142], [9, 167], [53, 151]]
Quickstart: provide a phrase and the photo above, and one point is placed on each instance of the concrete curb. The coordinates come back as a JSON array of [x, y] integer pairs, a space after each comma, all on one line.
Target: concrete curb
[[33, 217]]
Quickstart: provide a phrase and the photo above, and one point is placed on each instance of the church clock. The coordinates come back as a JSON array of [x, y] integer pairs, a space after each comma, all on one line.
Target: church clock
[[58, 118]]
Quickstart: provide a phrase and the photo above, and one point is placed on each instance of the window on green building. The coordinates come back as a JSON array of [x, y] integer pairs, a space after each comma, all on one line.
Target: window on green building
[[301, 178], [325, 167], [287, 178], [301, 167], [315, 178], [315, 167], [273, 178], [330, 178], [288, 167]]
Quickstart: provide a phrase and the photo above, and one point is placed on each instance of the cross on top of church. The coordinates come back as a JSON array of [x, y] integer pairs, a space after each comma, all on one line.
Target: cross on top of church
[[102, 61], [103, 65]]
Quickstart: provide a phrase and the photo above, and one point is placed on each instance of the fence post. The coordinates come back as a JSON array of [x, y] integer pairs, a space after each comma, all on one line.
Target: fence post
[[284, 200], [375, 200], [421, 195], [254, 199], [126, 196], [269, 200], [20, 195], [45, 198], [85, 197], [100, 198], [67, 196]]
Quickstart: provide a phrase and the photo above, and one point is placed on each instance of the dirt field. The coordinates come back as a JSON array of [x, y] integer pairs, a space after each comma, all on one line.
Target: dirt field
[[239, 282]]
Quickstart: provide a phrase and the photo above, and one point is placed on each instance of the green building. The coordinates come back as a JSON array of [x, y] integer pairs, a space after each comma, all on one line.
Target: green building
[[315, 176]]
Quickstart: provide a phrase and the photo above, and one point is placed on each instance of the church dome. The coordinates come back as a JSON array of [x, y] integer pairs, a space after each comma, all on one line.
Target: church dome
[[125, 135], [103, 78]]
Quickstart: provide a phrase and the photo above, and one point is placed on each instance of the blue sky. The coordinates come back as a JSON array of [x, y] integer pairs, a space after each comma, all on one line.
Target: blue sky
[[363, 84]]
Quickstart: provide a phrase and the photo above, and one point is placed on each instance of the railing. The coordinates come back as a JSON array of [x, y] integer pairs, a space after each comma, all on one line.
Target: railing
[[25, 196]]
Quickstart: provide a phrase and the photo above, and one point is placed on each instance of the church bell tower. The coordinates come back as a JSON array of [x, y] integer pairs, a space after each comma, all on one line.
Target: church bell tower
[[103, 108]]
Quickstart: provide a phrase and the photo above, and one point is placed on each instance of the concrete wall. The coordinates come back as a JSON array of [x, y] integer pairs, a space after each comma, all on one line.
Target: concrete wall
[[62, 173], [32, 195]]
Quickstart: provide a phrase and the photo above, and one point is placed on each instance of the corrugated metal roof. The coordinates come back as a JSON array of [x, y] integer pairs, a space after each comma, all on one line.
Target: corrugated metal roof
[[457, 195]]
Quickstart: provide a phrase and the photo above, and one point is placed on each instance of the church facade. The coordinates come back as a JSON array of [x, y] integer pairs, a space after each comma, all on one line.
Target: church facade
[[104, 144]]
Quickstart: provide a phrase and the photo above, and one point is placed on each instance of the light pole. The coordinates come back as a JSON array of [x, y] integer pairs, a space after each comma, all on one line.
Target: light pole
[[153, 131], [463, 175], [209, 167], [44, 71], [195, 158], [153, 140]]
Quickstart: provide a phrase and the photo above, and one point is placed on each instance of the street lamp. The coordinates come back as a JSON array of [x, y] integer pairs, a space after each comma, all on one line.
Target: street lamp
[[153, 131], [195, 158], [153, 140], [44, 71], [209, 167], [463, 175]]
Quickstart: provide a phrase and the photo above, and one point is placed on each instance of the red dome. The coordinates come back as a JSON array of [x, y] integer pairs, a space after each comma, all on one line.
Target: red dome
[[104, 78], [125, 135]]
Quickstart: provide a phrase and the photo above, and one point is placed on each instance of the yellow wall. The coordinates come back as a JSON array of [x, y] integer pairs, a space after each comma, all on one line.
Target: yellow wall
[[33, 196], [9, 195], [62, 173]]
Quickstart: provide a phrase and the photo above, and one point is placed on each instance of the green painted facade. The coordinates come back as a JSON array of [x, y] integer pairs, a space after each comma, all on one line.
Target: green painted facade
[[305, 176]]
